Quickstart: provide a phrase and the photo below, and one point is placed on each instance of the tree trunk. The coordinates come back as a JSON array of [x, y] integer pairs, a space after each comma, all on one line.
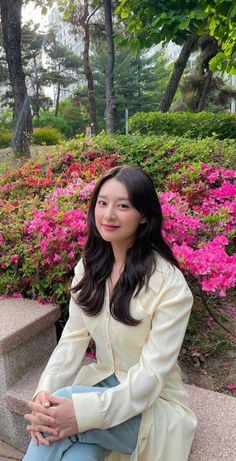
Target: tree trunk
[[111, 106], [205, 91], [37, 88], [11, 27], [176, 75], [87, 69], [208, 52]]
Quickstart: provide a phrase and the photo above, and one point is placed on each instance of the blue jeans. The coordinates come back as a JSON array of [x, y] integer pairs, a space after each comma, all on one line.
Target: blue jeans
[[91, 445]]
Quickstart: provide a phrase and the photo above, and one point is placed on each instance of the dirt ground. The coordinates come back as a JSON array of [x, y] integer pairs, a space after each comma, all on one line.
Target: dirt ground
[[215, 373]]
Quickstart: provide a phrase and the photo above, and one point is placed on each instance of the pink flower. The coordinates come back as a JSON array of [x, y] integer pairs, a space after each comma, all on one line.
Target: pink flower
[[230, 387], [14, 259]]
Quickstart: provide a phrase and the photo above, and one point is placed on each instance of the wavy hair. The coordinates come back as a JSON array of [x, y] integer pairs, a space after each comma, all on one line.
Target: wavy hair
[[98, 258]]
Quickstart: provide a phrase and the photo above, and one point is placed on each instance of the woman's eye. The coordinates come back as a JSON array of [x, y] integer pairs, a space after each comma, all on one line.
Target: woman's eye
[[101, 203], [123, 205]]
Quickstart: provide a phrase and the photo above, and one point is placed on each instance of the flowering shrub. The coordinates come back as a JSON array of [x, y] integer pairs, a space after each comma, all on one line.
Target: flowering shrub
[[46, 135], [43, 209], [200, 224], [43, 222]]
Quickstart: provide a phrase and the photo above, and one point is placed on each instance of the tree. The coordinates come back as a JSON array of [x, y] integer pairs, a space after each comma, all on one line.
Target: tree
[[111, 106], [201, 88], [209, 48], [156, 21], [159, 22], [79, 13], [60, 72], [139, 80], [33, 43], [221, 15], [177, 73], [62, 68], [11, 28]]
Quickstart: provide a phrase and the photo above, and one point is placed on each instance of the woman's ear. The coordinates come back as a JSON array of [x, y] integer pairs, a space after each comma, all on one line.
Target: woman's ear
[[143, 220]]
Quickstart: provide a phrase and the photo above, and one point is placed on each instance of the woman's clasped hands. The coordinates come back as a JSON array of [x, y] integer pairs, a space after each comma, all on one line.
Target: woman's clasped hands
[[53, 416]]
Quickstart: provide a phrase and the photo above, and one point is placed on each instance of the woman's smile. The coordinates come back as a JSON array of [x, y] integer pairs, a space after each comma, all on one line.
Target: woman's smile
[[109, 227]]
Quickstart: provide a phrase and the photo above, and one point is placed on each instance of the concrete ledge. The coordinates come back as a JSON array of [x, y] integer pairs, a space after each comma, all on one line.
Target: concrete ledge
[[27, 338], [23, 319], [216, 432], [19, 394]]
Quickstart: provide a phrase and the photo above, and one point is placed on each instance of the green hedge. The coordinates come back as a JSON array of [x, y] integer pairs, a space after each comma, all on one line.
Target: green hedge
[[191, 125], [46, 136], [5, 139]]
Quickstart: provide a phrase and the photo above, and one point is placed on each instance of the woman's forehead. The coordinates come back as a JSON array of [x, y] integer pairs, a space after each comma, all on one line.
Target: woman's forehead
[[115, 188]]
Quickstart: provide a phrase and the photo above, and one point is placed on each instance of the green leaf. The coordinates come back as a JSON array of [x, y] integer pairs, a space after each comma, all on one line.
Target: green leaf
[[124, 15]]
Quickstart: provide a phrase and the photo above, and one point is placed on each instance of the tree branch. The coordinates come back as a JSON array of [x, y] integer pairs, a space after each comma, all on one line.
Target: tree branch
[[215, 318], [93, 12]]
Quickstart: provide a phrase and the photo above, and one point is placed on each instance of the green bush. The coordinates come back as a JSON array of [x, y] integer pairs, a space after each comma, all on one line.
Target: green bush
[[46, 136], [6, 120], [191, 125], [76, 115], [48, 119], [5, 139]]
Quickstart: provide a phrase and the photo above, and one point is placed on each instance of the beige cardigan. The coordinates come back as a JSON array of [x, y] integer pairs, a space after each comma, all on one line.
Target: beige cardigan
[[143, 358]]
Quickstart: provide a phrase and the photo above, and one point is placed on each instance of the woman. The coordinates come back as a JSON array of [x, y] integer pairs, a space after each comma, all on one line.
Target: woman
[[130, 297]]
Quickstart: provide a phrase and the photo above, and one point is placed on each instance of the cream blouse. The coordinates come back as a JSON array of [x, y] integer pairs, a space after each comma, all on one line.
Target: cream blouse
[[143, 357]]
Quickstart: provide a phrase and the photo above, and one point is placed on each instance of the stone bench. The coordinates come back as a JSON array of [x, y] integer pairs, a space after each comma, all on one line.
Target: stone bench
[[215, 438], [27, 338]]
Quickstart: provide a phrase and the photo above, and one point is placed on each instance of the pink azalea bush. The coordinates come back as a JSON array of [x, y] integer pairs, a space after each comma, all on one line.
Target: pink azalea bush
[[43, 209], [200, 223]]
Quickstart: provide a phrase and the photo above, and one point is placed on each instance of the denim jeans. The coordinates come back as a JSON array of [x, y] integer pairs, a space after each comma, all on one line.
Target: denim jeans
[[91, 445]]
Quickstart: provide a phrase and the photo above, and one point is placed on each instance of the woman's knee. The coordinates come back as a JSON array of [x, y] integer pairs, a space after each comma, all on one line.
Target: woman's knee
[[84, 452], [63, 392]]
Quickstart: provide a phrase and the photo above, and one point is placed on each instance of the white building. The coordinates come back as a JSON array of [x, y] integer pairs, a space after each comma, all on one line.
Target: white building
[[66, 37]]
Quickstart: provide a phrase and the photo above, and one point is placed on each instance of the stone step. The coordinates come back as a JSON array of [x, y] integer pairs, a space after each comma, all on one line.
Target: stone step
[[27, 338], [216, 431], [21, 392], [16, 400]]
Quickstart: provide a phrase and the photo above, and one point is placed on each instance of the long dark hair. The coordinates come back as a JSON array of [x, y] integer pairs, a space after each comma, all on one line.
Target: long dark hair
[[98, 258]]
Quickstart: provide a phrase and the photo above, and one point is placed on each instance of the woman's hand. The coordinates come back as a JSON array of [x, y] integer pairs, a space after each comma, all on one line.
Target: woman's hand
[[59, 420], [37, 437]]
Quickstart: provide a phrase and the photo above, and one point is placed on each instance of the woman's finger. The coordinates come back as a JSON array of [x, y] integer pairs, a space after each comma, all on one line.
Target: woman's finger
[[42, 429], [39, 418], [53, 438], [34, 437], [40, 439], [38, 407]]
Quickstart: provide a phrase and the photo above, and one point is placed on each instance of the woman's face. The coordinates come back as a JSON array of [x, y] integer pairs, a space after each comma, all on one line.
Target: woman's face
[[116, 218]]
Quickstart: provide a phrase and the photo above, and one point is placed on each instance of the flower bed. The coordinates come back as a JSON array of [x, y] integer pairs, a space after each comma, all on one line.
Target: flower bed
[[43, 209]]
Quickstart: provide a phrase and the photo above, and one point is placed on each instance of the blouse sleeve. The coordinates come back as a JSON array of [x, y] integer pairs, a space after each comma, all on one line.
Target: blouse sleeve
[[146, 379], [68, 354]]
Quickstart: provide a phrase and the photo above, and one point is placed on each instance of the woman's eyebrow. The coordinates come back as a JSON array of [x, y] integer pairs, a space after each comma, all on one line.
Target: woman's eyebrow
[[119, 198]]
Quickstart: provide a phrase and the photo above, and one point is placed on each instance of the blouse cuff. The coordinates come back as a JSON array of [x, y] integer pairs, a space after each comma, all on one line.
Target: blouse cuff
[[88, 411]]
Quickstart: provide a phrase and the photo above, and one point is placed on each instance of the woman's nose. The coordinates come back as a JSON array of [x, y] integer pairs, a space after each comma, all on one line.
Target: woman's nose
[[110, 212]]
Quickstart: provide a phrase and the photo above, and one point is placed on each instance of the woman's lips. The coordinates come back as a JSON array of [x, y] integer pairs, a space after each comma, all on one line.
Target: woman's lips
[[109, 227]]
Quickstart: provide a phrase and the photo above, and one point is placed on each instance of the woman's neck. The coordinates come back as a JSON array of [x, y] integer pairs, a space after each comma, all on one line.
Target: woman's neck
[[119, 255]]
